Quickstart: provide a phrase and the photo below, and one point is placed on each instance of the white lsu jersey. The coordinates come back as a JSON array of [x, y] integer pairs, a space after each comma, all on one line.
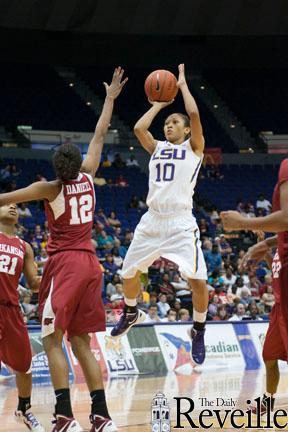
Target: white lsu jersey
[[173, 172]]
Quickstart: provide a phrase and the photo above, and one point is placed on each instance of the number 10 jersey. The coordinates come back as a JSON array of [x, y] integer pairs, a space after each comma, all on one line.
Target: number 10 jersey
[[70, 216], [173, 171]]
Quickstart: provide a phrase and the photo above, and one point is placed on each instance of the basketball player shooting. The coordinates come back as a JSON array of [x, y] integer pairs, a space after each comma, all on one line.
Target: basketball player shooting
[[169, 229], [276, 342], [16, 256], [70, 291]]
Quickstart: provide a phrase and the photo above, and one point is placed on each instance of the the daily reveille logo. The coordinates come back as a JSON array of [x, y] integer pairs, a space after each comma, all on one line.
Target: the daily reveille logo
[[215, 414]]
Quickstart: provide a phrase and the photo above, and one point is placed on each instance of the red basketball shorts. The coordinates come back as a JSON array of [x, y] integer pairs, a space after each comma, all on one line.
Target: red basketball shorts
[[15, 348], [275, 345], [70, 294]]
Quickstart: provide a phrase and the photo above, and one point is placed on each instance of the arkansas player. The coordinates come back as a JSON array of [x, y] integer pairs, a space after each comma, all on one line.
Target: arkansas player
[[276, 342], [16, 256], [70, 292]]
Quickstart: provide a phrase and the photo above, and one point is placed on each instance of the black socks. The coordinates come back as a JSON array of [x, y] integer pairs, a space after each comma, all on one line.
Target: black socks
[[63, 402], [198, 326], [24, 404], [99, 405]]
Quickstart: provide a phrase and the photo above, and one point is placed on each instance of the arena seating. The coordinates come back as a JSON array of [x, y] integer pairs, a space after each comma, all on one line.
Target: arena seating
[[258, 99]]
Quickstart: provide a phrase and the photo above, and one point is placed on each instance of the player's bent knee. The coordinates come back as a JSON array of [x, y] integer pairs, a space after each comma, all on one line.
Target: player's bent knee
[[197, 284], [80, 345]]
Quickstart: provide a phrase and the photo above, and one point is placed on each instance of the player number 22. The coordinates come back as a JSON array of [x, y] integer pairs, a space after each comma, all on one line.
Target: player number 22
[[8, 264], [81, 209]]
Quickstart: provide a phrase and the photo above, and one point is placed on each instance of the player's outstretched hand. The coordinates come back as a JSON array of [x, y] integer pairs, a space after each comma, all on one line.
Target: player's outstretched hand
[[114, 89], [254, 254], [181, 77], [160, 104], [232, 220]]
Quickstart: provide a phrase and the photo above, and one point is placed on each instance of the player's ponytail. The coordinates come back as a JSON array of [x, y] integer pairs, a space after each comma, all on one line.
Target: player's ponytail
[[67, 161]]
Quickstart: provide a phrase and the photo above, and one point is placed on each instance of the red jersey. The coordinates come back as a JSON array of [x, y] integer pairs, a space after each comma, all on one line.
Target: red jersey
[[70, 216], [12, 253], [283, 236]]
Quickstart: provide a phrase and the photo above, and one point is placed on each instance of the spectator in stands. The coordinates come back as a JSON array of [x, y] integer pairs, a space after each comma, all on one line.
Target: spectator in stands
[[163, 306], [116, 255], [121, 181], [99, 180], [5, 173], [213, 306], [131, 161], [267, 283], [29, 310], [224, 247], [222, 314], [118, 161], [41, 260], [111, 286], [268, 299], [109, 265], [245, 296], [101, 218], [253, 311], [204, 227], [113, 220], [141, 302], [206, 248], [214, 259], [134, 203], [240, 313], [263, 203], [14, 171], [213, 172], [229, 279], [106, 162], [24, 211], [165, 287], [152, 315], [102, 239], [184, 315], [254, 286], [171, 316]]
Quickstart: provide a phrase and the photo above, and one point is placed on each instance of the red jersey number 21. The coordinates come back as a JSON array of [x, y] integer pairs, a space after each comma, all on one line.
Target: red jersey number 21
[[81, 209]]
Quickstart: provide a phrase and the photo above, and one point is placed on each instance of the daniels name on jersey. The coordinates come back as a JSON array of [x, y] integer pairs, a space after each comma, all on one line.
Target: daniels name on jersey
[[173, 171]]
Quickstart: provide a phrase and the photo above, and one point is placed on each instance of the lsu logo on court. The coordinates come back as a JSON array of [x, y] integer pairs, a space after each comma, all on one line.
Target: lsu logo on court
[[170, 154]]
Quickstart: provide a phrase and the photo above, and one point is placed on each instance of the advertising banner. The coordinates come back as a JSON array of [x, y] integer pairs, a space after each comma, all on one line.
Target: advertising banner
[[146, 350], [117, 354]]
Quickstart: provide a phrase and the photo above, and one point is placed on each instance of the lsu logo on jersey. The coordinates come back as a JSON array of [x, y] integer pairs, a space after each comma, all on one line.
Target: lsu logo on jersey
[[170, 154]]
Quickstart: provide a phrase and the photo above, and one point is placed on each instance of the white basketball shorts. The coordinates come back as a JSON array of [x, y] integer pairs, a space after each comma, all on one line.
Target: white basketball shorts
[[174, 237]]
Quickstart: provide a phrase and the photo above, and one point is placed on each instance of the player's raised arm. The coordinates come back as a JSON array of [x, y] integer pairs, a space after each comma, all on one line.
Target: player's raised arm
[[36, 191], [197, 140], [30, 270], [141, 131], [92, 160]]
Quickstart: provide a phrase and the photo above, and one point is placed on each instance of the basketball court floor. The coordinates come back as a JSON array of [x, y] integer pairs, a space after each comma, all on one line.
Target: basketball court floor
[[130, 398]]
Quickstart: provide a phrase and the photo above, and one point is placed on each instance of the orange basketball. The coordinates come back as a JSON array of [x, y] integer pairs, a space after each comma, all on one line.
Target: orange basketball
[[161, 86]]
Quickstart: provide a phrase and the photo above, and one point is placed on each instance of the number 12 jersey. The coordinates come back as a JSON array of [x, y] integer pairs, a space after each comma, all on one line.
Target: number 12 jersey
[[70, 216]]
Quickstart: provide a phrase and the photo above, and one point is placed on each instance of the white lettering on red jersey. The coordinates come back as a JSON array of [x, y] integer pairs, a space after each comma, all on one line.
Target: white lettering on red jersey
[[70, 216], [12, 254]]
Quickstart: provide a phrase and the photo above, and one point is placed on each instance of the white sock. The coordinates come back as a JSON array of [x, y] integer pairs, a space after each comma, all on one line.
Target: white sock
[[130, 302], [199, 316]]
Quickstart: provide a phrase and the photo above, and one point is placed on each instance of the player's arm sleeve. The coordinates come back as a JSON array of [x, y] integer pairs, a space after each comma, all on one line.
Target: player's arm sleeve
[[30, 269]]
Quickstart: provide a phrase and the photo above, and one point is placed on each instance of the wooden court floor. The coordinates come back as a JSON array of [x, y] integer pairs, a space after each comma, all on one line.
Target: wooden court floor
[[130, 398]]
